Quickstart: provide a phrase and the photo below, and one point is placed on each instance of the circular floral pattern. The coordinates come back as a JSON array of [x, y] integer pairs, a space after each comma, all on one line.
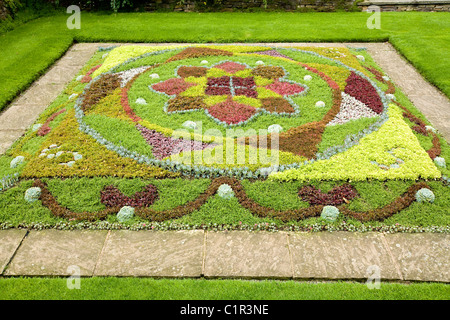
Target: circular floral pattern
[[232, 90], [194, 85]]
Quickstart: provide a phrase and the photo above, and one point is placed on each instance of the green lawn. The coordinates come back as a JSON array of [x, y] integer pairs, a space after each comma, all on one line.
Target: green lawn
[[200, 289], [29, 49]]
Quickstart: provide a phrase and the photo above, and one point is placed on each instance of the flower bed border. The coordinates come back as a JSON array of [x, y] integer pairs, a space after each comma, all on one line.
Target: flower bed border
[[379, 214]]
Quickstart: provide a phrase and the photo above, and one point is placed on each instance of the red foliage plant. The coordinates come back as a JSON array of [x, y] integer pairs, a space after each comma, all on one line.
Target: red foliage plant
[[435, 150], [362, 90], [45, 129], [232, 112], [112, 197], [379, 76], [87, 78], [172, 86], [336, 196]]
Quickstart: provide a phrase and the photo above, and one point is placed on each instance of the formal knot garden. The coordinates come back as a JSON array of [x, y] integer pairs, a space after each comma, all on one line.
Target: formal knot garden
[[229, 136]]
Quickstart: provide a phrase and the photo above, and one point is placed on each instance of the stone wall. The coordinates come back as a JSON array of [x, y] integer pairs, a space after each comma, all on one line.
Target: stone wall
[[418, 5], [4, 13], [230, 5]]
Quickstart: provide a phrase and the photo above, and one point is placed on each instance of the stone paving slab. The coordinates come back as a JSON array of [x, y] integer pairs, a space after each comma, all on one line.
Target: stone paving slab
[[424, 257], [7, 138], [233, 254], [247, 255], [340, 255], [52, 252], [10, 241], [152, 254], [20, 117], [434, 105]]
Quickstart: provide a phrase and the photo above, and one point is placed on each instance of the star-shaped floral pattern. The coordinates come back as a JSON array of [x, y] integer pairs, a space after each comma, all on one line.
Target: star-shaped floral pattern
[[231, 93]]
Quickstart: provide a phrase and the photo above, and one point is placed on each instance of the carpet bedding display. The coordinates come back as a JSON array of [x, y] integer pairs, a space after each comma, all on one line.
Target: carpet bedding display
[[229, 135]]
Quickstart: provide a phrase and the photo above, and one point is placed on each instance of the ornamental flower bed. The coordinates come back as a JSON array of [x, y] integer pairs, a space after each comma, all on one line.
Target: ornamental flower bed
[[162, 131]]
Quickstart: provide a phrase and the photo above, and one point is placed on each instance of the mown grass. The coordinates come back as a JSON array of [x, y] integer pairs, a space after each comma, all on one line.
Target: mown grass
[[201, 289], [29, 49]]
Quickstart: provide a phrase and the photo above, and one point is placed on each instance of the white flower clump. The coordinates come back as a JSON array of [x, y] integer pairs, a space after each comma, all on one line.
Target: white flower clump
[[440, 162], [307, 78], [430, 128], [154, 76], [390, 96], [125, 213], [127, 75], [268, 170], [46, 153], [16, 161], [274, 128], [73, 95], [141, 101], [32, 194], [320, 104], [190, 124], [36, 127], [329, 213], [225, 191], [425, 195]]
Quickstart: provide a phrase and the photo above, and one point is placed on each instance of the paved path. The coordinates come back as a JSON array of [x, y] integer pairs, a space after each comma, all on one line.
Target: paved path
[[233, 254], [434, 105]]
